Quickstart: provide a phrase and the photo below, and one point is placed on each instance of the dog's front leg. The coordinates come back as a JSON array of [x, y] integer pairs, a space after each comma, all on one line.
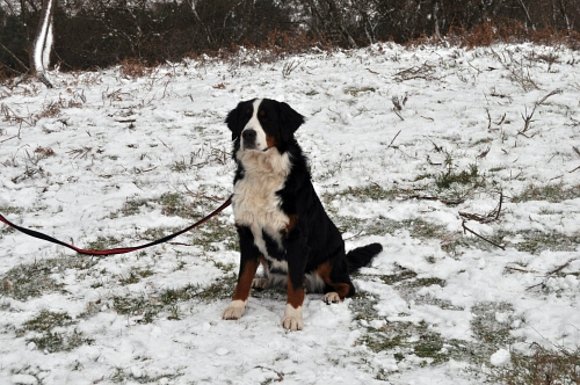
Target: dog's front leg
[[249, 262], [297, 254]]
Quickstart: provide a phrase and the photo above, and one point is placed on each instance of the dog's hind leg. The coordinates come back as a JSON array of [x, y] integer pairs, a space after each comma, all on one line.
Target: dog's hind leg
[[262, 282], [338, 285]]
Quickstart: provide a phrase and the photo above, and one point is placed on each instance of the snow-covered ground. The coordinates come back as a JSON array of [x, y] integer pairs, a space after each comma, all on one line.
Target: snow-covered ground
[[407, 146]]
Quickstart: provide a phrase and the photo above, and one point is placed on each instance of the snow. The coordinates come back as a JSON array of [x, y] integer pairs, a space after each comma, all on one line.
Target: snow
[[120, 142], [500, 358]]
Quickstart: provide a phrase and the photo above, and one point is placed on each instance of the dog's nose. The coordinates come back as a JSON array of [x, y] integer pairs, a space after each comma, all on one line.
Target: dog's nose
[[249, 136]]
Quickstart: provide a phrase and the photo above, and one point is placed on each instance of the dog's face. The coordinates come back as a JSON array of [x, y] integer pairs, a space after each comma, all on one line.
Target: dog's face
[[261, 124]]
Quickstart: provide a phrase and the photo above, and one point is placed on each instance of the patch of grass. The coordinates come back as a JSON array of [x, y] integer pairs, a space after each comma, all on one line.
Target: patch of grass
[[424, 282], [146, 308], [363, 306], [10, 210], [135, 276], [35, 279], [221, 289], [427, 299], [402, 275], [213, 235], [418, 228], [407, 283], [149, 308], [430, 345], [550, 193], [491, 326], [542, 367], [131, 207], [47, 320], [41, 332], [57, 342], [482, 141], [180, 166], [355, 91], [535, 242], [174, 204], [465, 177], [422, 229], [121, 376], [103, 242], [372, 192], [530, 241], [404, 339], [407, 339], [153, 233], [375, 226]]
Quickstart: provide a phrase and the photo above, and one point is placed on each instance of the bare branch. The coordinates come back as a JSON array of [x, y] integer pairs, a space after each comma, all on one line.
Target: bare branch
[[467, 229]]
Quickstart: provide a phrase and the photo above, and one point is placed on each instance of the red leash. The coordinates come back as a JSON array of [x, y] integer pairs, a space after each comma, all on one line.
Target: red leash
[[119, 250]]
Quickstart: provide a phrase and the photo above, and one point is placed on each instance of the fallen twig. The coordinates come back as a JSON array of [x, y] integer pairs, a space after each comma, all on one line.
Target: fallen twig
[[393, 140], [519, 268], [551, 273], [448, 202], [528, 118], [467, 229], [424, 71], [491, 216], [17, 136]]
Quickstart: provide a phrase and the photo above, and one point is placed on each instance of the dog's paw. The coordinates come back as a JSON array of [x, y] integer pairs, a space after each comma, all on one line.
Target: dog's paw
[[292, 318], [235, 310], [331, 297], [260, 283]]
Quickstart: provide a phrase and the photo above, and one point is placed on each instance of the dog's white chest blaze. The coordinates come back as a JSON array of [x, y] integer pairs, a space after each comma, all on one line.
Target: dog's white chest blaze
[[255, 202]]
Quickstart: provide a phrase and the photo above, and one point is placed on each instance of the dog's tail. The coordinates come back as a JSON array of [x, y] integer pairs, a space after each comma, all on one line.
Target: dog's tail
[[362, 256]]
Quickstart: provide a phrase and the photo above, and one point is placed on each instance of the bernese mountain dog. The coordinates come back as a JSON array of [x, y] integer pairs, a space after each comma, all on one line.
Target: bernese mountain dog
[[279, 218]]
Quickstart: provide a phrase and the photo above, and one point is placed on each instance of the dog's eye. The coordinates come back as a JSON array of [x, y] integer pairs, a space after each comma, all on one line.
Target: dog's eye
[[263, 115]]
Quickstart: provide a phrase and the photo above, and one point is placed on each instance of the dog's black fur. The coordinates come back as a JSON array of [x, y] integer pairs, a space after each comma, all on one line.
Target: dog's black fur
[[310, 243]]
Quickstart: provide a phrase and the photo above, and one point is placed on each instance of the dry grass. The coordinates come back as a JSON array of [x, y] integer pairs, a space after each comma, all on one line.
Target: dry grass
[[134, 68], [510, 31], [541, 367]]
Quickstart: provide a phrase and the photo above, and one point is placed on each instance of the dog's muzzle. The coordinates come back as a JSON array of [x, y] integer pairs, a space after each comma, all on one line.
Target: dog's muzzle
[[249, 139]]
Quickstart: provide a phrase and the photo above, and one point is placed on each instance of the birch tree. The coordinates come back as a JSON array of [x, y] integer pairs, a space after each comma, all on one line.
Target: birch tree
[[42, 44]]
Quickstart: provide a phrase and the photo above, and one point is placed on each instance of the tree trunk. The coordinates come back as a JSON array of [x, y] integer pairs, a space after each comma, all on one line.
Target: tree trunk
[[42, 45]]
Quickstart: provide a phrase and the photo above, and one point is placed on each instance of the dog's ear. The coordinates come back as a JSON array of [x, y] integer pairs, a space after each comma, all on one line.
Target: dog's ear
[[290, 120], [233, 121]]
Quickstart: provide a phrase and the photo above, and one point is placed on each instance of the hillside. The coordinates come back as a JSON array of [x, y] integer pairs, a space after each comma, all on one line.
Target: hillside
[[419, 149]]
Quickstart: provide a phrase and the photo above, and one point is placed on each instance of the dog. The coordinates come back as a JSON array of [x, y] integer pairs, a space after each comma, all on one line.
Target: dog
[[280, 220]]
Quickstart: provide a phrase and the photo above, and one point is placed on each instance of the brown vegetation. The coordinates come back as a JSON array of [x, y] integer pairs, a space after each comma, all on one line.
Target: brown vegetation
[[102, 33]]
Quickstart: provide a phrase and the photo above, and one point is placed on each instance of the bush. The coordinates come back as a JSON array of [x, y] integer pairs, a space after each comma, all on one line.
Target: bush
[[91, 34]]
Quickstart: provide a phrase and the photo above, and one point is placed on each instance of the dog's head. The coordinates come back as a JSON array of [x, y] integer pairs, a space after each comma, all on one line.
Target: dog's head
[[261, 124]]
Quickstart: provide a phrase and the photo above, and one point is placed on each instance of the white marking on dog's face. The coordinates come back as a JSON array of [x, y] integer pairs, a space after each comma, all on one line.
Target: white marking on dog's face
[[292, 319], [260, 143]]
